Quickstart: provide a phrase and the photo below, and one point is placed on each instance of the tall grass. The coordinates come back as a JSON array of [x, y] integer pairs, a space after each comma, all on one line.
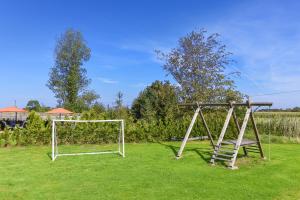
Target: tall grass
[[279, 123]]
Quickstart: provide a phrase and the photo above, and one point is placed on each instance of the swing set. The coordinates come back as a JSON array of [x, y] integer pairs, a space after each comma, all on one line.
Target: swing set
[[227, 150]]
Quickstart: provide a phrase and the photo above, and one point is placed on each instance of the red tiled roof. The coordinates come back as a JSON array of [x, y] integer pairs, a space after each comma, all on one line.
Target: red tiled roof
[[12, 109], [59, 111]]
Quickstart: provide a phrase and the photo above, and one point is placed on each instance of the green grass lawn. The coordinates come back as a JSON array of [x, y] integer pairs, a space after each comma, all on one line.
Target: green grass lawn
[[149, 171]]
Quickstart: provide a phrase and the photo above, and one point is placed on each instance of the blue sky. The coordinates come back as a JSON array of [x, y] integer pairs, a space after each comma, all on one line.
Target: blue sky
[[264, 37]]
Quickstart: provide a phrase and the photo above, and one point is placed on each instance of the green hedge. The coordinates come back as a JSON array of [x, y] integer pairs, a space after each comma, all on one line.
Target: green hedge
[[38, 131]]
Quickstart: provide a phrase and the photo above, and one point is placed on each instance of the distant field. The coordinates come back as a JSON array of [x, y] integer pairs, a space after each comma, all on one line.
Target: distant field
[[292, 114], [148, 172], [279, 123]]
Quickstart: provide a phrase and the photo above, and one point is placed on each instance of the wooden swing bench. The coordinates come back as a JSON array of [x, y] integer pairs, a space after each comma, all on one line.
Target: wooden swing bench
[[227, 150]]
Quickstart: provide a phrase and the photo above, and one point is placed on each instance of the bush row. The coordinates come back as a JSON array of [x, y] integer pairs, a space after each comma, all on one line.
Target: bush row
[[38, 131]]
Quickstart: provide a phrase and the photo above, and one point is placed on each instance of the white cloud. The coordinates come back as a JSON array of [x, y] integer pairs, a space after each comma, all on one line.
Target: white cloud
[[264, 38], [107, 80]]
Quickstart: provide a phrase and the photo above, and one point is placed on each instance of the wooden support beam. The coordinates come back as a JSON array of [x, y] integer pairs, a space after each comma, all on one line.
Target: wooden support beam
[[207, 129], [188, 132], [236, 122], [228, 104], [256, 135], [222, 134], [240, 138]]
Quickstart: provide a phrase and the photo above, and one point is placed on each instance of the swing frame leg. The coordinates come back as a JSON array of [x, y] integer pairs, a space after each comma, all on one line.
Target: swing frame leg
[[257, 135], [236, 122], [188, 132]]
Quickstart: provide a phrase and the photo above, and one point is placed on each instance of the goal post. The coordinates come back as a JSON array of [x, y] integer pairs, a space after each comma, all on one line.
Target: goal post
[[120, 139]]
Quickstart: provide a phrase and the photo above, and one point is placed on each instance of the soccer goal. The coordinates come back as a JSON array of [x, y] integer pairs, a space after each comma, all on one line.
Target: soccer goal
[[97, 127]]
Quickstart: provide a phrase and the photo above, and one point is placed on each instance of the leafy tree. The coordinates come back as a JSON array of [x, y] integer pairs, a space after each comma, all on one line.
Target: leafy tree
[[68, 76], [159, 100], [296, 109], [86, 101], [198, 64], [120, 111], [33, 105], [98, 107], [44, 108]]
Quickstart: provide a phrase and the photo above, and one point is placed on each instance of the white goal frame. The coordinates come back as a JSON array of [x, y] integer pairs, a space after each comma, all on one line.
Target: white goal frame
[[121, 142]]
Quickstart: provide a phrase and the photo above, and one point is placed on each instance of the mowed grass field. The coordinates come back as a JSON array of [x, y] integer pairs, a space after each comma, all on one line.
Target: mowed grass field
[[149, 171]]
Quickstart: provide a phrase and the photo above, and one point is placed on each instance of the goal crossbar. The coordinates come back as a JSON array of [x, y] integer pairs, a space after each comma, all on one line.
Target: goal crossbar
[[56, 154]]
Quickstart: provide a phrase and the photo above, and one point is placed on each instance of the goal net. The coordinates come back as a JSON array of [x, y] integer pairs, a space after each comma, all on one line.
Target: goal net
[[82, 133]]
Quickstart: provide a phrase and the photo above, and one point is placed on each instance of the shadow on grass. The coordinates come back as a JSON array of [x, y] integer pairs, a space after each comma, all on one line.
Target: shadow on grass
[[49, 155], [204, 153]]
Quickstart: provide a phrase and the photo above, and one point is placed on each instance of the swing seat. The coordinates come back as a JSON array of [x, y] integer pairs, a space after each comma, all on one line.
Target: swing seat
[[245, 142]]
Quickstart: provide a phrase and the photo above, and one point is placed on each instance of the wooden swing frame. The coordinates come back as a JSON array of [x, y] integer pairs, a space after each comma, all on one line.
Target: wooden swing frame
[[228, 155]]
